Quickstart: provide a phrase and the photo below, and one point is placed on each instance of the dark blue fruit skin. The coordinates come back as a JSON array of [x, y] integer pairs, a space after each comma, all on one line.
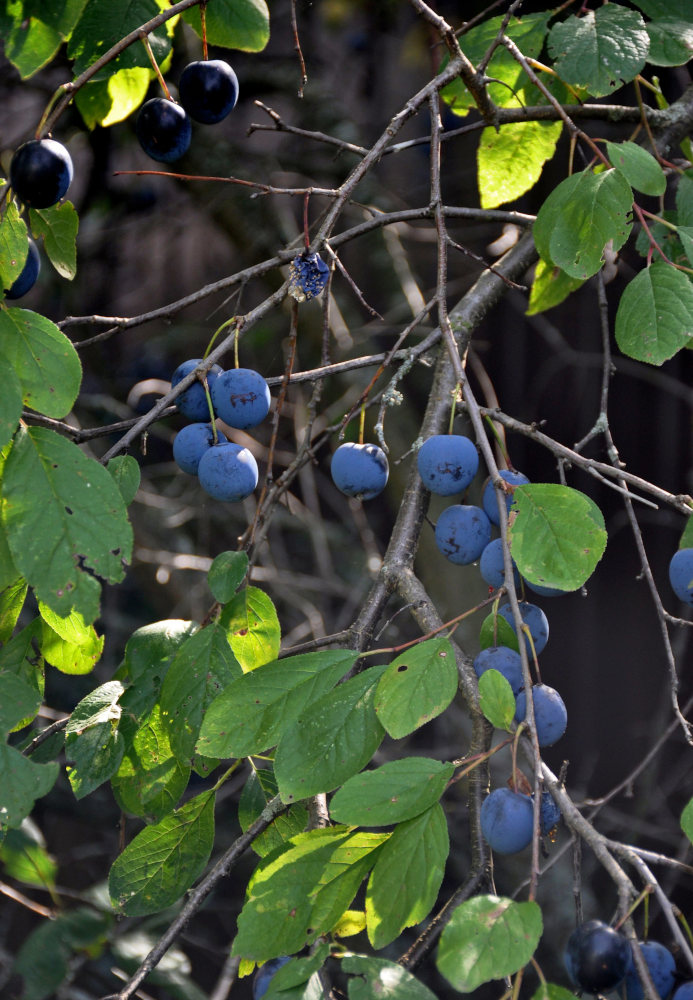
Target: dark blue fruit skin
[[542, 591], [662, 967], [462, 533], [308, 275], [264, 974], [681, 575], [597, 957], [488, 498], [26, 279], [163, 129], [506, 661], [684, 991], [193, 402], [550, 715], [536, 621], [190, 444], [507, 821], [41, 171], [359, 470], [228, 472], [447, 463], [208, 90], [492, 565], [241, 398], [549, 813]]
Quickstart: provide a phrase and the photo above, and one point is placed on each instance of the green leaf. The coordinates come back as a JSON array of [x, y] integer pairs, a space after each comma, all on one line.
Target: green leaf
[[684, 200], [19, 701], [62, 17], [126, 472], [671, 41], [18, 657], [296, 972], [510, 160], [601, 50], [12, 599], [150, 648], [93, 742], [250, 619], [21, 783], [251, 714], [150, 779], [234, 24], [665, 8], [10, 404], [44, 360], [495, 631], [334, 738], [407, 876], [580, 216], [257, 792], [30, 45], [14, 245], [487, 938], [549, 991], [685, 234], [396, 791], [203, 666], [550, 287], [107, 102], [496, 699], [687, 820], [226, 574], [655, 314], [417, 687], [104, 23], [377, 978], [58, 225], [65, 521], [164, 860], [25, 858], [557, 536], [686, 540], [300, 891], [639, 167], [69, 643]]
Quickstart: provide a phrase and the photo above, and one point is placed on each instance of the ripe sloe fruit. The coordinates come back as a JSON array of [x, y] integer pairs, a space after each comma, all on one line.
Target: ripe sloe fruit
[[684, 991], [535, 620], [264, 974], [488, 497], [41, 171], [550, 715], [228, 472], [681, 574], [241, 397], [462, 533], [359, 470], [190, 444], [193, 402], [308, 276], [597, 957], [208, 90], [163, 129], [492, 565], [662, 968], [549, 813], [26, 279], [503, 659], [447, 463], [507, 820]]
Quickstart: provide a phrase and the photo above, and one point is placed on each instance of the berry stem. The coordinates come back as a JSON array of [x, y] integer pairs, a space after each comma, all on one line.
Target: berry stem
[[306, 234], [362, 423], [144, 37], [212, 417], [229, 322], [203, 28], [455, 396]]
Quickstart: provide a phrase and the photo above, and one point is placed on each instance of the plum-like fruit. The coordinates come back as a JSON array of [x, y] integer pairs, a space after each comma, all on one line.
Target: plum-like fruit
[[190, 444], [308, 274], [462, 533], [488, 497], [265, 973], [447, 463], [662, 968], [241, 398], [359, 470], [597, 957], [507, 820], [550, 715], [208, 90], [549, 813], [503, 659], [681, 574], [193, 402], [542, 591], [228, 472], [41, 171], [26, 279], [492, 565], [684, 991], [535, 620], [163, 129]]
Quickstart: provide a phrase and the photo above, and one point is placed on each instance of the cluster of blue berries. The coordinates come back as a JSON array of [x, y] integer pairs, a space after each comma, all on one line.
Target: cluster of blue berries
[[208, 91], [241, 398]]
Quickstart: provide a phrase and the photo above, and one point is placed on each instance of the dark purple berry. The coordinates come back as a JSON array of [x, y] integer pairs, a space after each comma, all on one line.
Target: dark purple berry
[[359, 470], [308, 276], [597, 957], [241, 397], [41, 171], [228, 472], [208, 90], [163, 129], [192, 403], [507, 820], [27, 276], [447, 463]]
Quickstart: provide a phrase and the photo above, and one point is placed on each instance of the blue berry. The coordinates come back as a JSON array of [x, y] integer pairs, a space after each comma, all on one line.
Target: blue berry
[[542, 591], [488, 498], [26, 278], [550, 715], [535, 620], [359, 470], [549, 813], [41, 171], [208, 90], [503, 659], [193, 402], [447, 463], [265, 973], [462, 533], [190, 444], [507, 820], [228, 472], [308, 276], [662, 968], [681, 574], [163, 130], [492, 565], [241, 398], [684, 991], [597, 957]]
